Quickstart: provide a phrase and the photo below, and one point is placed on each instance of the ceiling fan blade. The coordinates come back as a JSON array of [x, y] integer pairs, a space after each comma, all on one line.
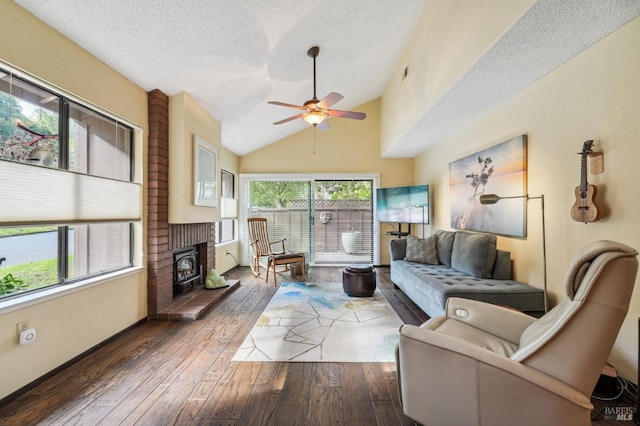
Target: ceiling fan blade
[[323, 126], [347, 114], [331, 99], [288, 119], [285, 105]]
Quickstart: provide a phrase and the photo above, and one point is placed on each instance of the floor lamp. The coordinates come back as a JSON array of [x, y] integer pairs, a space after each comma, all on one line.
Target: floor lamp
[[419, 206], [493, 198]]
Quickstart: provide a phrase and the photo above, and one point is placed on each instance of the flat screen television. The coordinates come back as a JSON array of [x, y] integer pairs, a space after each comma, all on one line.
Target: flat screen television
[[398, 204]]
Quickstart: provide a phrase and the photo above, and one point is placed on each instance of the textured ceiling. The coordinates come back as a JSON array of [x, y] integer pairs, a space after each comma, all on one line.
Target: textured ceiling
[[549, 34], [233, 56]]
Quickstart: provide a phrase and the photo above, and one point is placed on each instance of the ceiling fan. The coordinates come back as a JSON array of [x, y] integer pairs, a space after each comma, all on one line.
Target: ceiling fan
[[317, 111]]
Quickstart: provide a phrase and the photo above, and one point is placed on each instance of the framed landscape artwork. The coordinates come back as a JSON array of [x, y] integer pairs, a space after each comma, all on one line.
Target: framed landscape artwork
[[500, 170], [205, 172]]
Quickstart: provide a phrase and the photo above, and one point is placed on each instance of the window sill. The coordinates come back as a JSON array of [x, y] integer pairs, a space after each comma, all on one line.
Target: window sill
[[226, 244], [30, 299]]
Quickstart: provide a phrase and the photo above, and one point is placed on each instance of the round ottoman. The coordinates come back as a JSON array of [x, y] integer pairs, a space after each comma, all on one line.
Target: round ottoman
[[359, 280]]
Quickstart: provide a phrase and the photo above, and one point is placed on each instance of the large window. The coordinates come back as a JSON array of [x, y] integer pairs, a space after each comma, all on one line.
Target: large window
[[328, 217], [69, 197], [227, 225]]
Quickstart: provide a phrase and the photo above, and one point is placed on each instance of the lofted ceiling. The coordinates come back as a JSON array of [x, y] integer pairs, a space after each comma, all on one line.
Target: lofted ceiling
[[233, 56], [549, 34]]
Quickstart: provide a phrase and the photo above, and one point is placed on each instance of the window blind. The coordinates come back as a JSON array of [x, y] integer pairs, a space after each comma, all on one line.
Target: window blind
[[38, 195]]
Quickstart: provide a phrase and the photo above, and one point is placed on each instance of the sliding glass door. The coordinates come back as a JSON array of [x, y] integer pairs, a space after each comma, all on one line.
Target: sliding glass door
[[286, 206], [343, 221], [329, 219]]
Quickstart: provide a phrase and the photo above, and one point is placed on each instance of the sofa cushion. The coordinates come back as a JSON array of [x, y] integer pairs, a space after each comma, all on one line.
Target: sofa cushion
[[429, 286], [474, 254], [422, 250], [445, 245]]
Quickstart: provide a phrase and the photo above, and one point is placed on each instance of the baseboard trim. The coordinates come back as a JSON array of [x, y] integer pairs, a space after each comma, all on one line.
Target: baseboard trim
[[61, 367]]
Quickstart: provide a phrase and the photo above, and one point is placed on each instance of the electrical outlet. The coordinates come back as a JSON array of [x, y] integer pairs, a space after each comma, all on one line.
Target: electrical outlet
[[23, 326]]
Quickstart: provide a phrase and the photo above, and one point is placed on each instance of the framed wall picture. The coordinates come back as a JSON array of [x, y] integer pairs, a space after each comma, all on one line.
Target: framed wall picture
[[500, 169], [205, 173]]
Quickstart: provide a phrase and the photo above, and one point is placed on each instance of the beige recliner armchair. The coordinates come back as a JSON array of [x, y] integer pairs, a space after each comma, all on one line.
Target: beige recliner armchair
[[482, 364]]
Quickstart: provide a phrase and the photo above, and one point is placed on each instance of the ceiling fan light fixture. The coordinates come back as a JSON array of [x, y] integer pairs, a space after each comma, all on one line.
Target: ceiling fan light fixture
[[317, 111], [314, 117]]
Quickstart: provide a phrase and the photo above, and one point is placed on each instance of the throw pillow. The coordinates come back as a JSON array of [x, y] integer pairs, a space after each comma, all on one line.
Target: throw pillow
[[445, 245], [422, 250], [474, 254]]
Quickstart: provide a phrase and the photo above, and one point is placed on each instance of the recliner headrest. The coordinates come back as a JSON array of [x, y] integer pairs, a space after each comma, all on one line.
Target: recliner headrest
[[582, 260]]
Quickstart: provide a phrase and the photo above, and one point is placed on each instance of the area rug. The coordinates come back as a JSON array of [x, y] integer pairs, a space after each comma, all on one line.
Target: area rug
[[313, 322]]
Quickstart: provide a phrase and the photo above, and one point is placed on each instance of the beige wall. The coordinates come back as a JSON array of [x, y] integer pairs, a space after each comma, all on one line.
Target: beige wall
[[596, 96], [69, 325], [593, 96], [350, 146], [450, 36], [187, 118]]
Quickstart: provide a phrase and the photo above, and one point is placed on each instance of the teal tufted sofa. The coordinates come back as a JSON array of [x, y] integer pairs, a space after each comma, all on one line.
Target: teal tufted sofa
[[469, 266]]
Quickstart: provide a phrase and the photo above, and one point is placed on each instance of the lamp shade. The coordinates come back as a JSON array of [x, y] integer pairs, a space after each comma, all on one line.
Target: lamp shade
[[493, 198], [489, 199], [314, 117]]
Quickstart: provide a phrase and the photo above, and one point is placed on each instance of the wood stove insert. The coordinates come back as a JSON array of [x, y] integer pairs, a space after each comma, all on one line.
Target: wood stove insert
[[187, 272]]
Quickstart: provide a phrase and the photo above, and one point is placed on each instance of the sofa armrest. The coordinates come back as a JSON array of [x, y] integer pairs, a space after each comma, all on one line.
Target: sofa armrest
[[397, 248], [504, 322], [447, 381], [502, 269]]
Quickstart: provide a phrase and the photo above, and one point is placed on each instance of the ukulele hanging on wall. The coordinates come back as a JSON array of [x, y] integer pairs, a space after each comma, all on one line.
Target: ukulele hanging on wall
[[586, 207]]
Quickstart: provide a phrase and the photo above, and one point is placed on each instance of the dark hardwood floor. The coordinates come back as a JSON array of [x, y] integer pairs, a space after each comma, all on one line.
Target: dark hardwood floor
[[181, 373]]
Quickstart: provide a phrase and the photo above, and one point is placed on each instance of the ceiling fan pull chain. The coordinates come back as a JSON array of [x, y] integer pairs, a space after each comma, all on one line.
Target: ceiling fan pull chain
[[313, 150]]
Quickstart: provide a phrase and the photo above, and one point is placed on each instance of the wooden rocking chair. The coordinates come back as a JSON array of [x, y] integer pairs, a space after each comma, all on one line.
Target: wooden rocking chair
[[261, 247]]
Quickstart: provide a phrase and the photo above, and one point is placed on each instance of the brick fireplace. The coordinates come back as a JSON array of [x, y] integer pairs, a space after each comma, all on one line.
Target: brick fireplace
[[162, 237]]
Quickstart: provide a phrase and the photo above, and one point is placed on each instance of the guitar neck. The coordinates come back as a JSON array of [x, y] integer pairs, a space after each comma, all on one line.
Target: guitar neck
[[583, 174]]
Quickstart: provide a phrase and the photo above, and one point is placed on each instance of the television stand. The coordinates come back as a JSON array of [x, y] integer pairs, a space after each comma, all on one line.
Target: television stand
[[399, 233]]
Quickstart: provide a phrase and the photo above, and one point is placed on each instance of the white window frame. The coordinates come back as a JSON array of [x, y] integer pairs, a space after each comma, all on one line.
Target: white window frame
[[234, 202], [85, 185], [244, 201]]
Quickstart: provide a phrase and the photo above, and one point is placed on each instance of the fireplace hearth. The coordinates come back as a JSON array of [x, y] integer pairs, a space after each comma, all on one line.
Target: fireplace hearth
[[187, 272]]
